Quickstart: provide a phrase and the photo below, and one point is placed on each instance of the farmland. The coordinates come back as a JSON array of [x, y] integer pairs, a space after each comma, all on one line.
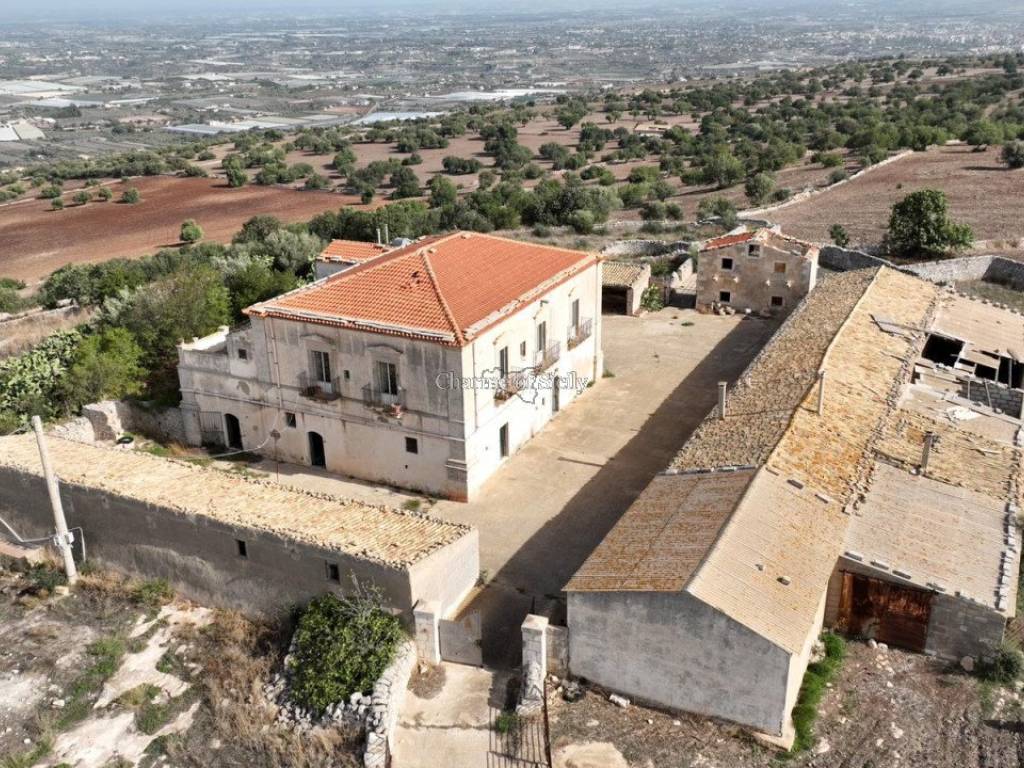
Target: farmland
[[981, 192], [38, 240]]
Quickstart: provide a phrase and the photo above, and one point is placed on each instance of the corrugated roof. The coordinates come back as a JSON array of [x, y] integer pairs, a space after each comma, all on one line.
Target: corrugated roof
[[621, 274], [392, 537], [447, 288], [354, 251]]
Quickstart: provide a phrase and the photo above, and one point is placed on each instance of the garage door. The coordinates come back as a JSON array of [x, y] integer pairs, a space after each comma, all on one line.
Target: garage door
[[613, 300], [890, 613]]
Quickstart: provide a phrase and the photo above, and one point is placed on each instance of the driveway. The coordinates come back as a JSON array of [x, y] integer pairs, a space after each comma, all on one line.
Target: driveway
[[543, 512]]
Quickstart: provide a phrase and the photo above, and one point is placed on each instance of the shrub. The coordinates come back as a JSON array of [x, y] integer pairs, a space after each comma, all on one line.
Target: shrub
[[190, 231], [57, 204], [103, 194], [342, 645], [839, 174], [81, 198], [1012, 154], [839, 236], [131, 196], [652, 299], [1005, 668]]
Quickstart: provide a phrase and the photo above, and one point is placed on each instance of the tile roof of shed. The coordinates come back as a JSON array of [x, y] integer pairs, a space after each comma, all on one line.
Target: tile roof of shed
[[621, 274], [446, 288], [355, 251], [391, 537]]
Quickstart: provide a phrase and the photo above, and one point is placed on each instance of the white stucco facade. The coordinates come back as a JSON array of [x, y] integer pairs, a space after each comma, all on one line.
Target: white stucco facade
[[389, 408]]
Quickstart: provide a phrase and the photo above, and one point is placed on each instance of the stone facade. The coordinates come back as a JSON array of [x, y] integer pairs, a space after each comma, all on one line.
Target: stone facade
[[385, 706], [768, 274]]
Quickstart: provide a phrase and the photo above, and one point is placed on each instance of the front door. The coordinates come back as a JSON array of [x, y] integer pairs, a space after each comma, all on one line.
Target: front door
[[503, 440], [317, 457], [233, 430], [889, 613], [554, 395]]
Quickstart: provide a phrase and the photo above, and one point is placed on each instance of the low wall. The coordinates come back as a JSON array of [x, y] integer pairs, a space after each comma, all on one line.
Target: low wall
[[386, 705], [846, 259], [199, 556], [951, 270], [958, 627], [112, 418], [638, 248]]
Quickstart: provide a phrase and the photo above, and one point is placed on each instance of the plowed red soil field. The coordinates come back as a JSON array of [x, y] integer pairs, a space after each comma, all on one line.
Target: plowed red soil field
[[35, 240]]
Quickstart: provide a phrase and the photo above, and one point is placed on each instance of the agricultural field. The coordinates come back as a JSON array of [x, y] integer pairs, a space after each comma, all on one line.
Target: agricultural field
[[981, 192], [38, 240]]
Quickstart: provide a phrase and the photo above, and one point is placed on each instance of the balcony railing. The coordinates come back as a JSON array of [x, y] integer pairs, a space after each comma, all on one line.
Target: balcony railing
[[548, 357], [392, 403], [322, 391], [510, 384], [579, 333]]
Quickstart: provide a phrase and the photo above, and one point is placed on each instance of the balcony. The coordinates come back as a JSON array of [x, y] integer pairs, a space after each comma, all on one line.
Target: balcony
[[510, 384], [548, 357], [321, 391], [579, 333], [388, 403]]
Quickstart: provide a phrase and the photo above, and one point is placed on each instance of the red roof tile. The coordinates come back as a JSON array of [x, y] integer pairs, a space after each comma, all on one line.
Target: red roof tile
[[447, 288], [726, 240], [352, 250]]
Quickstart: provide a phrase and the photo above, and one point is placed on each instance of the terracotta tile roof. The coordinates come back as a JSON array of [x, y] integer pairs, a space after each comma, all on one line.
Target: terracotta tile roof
[[726, 240], [392, 537], [355, 251], [446, 288]]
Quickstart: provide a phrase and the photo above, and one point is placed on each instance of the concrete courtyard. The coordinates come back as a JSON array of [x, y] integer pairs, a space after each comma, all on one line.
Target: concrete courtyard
[[548, 506]]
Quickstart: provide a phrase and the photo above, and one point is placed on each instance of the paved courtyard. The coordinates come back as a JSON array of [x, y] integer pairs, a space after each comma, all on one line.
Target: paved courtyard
[[544, 511]]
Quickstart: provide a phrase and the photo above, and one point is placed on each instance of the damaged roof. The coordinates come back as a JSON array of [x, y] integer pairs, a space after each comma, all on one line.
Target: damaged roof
[[765, 557], [447, 288], [621, 274], [391, 537]]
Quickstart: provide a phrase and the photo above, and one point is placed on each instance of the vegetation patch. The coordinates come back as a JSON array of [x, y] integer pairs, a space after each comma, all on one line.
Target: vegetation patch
[[342, 645], [816, 680]]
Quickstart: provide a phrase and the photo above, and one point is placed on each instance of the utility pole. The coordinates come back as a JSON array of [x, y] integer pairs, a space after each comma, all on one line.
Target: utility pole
[[63, 538]]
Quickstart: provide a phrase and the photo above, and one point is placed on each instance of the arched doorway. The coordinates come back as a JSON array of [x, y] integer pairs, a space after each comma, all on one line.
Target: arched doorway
[[233, 430], [317, 457]]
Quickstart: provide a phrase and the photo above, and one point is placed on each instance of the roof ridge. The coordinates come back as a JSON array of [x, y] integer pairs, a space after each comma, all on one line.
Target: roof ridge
[[425, 256]]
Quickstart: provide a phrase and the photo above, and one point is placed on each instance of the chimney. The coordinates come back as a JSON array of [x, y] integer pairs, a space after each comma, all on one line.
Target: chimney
[[926, 451], [722, 386], [378, 235], [821, 392]]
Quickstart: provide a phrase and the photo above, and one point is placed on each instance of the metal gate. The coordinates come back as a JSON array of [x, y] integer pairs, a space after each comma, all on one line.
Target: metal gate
[[889, 613], [460, 640]]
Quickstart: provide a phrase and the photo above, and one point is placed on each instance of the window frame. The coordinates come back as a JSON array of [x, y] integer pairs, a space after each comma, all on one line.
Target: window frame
[[291, 421], [731, 263], [386, 379], [412, 445], [320, 363], [727, 294]]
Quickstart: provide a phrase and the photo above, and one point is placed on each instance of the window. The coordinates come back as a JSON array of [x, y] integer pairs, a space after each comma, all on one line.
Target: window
[[321, 366], [724, 296], [754, 251], [243, 550], [387, 378], [412, 445], [503, 362], [243, 354], [575, 313], [347, 374], [727, 263], [778, 301], [333, 572], [522, 349], [542, 336], [780, 267], [289, 420]]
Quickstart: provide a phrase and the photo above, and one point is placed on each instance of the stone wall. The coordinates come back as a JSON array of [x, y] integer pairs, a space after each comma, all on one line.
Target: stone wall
[[200, 557], [959, 627], [639, 248], [846, 259], [112, 418], [386, 705], [993, 395], [951, 270]]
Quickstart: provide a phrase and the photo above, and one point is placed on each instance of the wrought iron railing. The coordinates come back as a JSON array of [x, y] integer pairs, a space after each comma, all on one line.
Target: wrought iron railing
[[548, 357], [579, 333], [323, 391], [384, 400]]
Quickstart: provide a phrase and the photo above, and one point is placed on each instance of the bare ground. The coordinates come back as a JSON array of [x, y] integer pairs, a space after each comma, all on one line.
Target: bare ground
[[887, 708], [981, 193]]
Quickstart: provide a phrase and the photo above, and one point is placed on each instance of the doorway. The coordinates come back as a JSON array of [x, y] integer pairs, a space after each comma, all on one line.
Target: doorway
[[233, 429], [317, 456], [503, 441], [555, 389], [889, 613]]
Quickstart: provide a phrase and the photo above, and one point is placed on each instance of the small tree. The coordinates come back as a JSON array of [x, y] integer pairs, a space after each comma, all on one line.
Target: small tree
[[105, 366], [920, 226], [236, 177], [81, 198], [103, 194], [1012, 154], [191, 232], [57, 204], [721, 207], [759, 187], [131, 196], [839, 236]]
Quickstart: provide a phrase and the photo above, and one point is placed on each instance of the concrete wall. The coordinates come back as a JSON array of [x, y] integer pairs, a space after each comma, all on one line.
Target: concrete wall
[[959, 628], [447, 576], [199, 556], [670, 649], [752, 281]]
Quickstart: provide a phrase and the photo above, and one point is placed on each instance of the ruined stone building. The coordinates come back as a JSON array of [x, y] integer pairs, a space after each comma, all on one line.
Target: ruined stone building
[[865, 475], [762, 271], [423, 367]]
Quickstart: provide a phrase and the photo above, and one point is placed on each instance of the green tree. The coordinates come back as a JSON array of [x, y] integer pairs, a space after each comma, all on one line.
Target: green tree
[[1012, 154], [722, 207], [257, 229], [292, 251], [723, 169], [920, 226], [759, 187], [317, 181], [405, 183], [839, 236], [190, 231], [442, 192], [106, 366], [103, 194], [57, 204], [131, 196], [81, 198], [236, 177], [255, 282]]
